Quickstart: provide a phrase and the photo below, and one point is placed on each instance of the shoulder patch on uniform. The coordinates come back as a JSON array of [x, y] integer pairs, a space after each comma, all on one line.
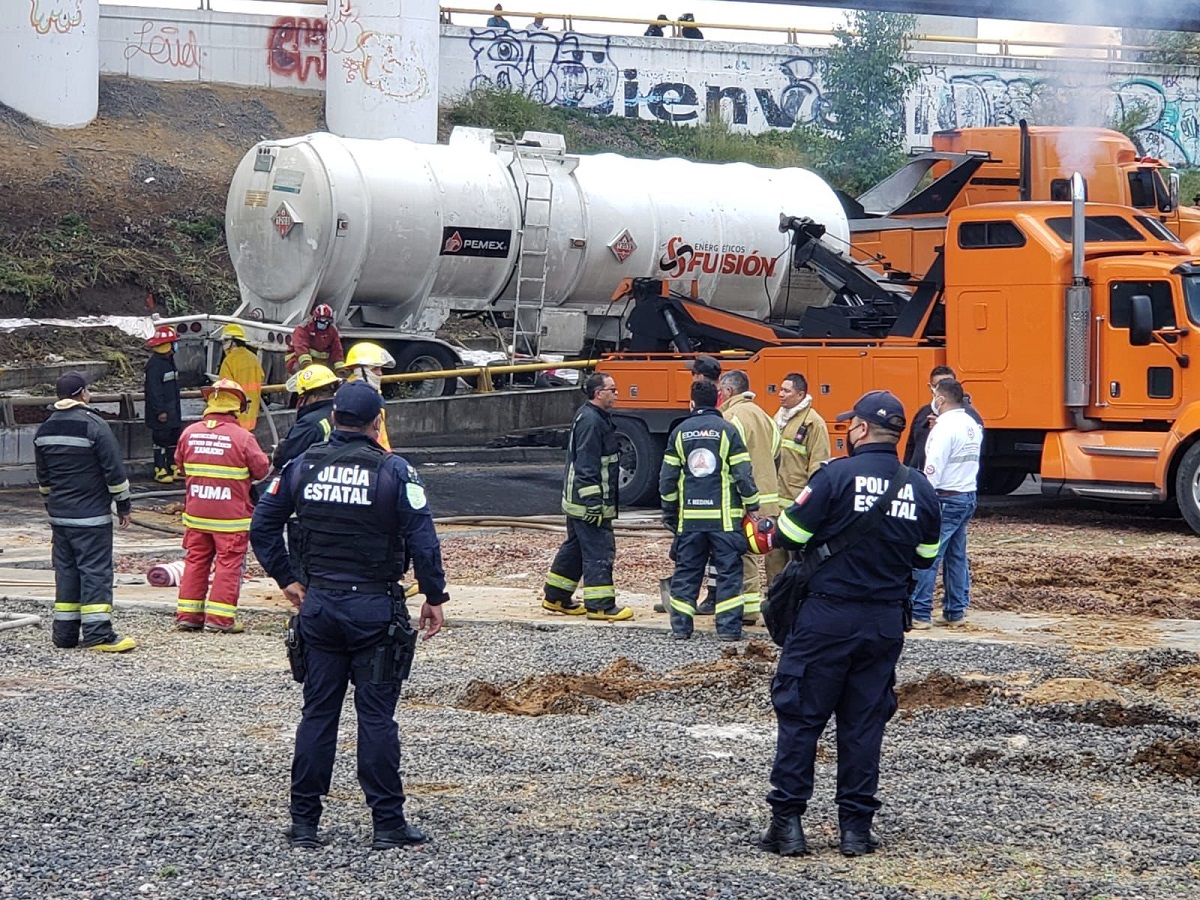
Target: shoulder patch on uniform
[[416, 495], [273, 487], [803, 496]]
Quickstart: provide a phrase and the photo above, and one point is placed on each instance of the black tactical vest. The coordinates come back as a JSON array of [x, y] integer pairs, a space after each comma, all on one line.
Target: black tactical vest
[[347, 524]]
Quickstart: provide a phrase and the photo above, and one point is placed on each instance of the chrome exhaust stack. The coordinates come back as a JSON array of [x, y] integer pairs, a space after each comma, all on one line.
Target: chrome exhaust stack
[[1076, 361]]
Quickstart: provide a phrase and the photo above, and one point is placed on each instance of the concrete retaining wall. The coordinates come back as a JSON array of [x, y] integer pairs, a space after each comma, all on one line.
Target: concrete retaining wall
[[468, 420], [754, 87]]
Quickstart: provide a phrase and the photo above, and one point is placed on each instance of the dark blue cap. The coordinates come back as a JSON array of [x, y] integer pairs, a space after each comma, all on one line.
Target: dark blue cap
[[882, 408], [70, 384], [356, 404]]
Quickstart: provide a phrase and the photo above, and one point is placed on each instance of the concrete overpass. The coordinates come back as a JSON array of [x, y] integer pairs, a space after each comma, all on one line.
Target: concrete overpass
[[1158, 15]]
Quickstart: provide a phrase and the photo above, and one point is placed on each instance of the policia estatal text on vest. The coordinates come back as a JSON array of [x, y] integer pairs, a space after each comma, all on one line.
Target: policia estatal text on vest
[[362, 518]]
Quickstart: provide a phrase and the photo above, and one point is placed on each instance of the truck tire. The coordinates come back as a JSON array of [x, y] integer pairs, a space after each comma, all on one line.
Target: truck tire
[[423, 357], [641, 458], [1187, 487], [998, 482]]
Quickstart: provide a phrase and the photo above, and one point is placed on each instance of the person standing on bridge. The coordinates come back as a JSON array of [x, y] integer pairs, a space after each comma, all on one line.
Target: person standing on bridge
[[589, 499], [240, 364], [219, 460], [762, 443], [952, 467], [80, 475], [164, 413], [316, 341]]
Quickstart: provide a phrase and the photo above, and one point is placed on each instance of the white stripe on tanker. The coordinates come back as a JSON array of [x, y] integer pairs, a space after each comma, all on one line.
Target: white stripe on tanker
[[408, 232]]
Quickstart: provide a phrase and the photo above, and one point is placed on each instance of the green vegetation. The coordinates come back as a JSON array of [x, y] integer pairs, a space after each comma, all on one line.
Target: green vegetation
[[184, 264]]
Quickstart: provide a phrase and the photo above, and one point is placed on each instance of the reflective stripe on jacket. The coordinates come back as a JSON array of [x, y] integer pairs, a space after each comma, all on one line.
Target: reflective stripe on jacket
[[706, 481], [592, 469], [219, 459], [80, 470]]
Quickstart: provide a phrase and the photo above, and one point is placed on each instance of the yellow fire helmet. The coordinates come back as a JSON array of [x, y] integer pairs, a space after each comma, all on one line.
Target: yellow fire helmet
[[370, 355], [311, 378], [233, 331], [224, 396]]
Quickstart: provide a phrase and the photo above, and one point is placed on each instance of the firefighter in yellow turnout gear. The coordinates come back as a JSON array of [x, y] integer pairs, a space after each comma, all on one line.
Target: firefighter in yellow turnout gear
[[240, 364], [366, 362], [762, 442]]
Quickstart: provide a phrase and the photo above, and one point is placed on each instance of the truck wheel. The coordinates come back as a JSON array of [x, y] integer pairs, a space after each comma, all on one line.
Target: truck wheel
[[998, 482], [421, 357], [641, 458], [1187, 487]]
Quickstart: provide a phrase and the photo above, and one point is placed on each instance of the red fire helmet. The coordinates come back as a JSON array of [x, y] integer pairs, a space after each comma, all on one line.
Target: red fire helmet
[[163, 334], [760, 534]]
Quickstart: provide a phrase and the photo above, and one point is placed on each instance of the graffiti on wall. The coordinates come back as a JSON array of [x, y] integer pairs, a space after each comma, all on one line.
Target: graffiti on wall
[[165, 45], [586, 72], [55, 15], [389, 63], [1163, 113], [568, 69], [296, 48]]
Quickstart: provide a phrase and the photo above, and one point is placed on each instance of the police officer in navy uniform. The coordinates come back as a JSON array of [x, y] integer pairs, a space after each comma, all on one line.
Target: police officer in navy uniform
[[363, 516], [840, 658]]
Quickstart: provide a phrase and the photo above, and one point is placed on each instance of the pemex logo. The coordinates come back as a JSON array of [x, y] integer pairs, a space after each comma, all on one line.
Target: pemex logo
[[454, 243]]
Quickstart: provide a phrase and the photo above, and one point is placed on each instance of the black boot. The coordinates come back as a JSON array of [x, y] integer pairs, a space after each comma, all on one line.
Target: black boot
[[404, 836], [785, 836], [858, 843], [304, 836], [708, 606]]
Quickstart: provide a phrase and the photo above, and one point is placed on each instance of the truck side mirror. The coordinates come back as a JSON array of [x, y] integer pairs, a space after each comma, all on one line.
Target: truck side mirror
[[1141, 320], [1173, 189]]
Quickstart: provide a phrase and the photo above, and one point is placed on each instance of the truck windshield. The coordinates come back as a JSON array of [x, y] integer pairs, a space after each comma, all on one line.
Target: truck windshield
[[1191, 297]]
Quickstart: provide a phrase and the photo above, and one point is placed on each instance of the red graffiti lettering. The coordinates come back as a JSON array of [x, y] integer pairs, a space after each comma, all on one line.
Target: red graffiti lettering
[[296, 46]]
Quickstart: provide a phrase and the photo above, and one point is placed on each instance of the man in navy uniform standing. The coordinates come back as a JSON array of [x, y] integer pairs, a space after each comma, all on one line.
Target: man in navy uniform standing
[[840, 657], [363, 516]]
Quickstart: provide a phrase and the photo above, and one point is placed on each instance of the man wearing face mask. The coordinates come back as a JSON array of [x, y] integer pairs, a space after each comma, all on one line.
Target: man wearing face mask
[[952, 467], [841, 653], [366, 362], [316, 341], [918, 435]]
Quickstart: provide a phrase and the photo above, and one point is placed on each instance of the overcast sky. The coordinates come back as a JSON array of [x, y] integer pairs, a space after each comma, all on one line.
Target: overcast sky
[[704, 10]]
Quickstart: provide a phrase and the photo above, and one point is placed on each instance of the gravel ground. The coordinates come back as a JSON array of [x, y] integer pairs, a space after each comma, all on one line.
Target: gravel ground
[[164, 773]]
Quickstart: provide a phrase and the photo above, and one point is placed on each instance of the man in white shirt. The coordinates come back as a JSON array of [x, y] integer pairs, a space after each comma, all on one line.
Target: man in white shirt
[[952, 467]]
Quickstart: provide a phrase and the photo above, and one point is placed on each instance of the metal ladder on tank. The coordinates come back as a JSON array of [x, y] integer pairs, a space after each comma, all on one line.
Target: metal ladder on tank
[[533, 260]]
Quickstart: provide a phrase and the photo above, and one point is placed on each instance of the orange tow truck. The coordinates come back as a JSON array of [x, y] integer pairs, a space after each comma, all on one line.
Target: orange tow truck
[[1071, 324], [898, 225]]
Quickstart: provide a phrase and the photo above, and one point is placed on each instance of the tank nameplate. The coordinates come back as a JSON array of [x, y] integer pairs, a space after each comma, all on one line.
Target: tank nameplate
[[493, 243], [623, 246], [256, 199], [289, 181]]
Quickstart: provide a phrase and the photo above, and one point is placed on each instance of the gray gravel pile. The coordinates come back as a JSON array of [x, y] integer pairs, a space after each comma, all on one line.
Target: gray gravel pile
[[164, 773]]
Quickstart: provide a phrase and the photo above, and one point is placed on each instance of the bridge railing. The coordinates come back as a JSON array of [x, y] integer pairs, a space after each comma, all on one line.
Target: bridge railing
[[786, 34]]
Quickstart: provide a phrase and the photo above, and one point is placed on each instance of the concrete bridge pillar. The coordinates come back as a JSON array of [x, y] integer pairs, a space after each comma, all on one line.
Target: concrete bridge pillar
[[50, 60], [382, 71]]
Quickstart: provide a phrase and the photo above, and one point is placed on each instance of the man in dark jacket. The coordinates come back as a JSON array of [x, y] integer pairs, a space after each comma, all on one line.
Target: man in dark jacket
[[80, 474], [315, 386], [589, 500], [922, 423], [706, 485], [164, 416]]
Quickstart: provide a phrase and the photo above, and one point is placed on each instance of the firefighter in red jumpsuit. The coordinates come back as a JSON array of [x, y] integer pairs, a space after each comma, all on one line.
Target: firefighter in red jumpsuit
[[316, 341], [219, 460]]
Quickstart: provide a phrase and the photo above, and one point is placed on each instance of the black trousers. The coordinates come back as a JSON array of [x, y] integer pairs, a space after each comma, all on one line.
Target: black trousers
[[588, 553], [341, 630], [839, 660], [693, 550], [83, 584], [165, 438]]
